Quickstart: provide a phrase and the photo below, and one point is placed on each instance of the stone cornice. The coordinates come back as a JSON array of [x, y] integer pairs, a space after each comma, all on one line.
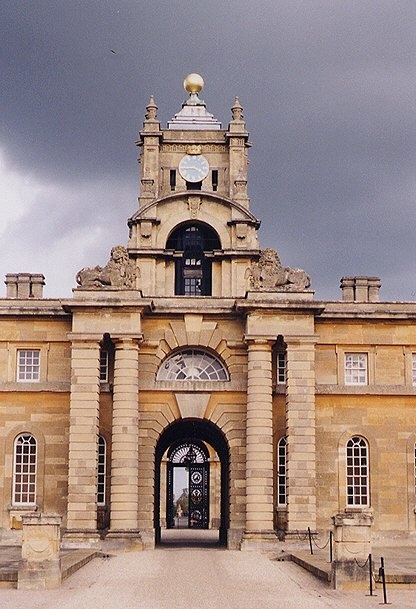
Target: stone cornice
[[31, 307], [204, 305], [367, 311], [381, 390], [128, 300]]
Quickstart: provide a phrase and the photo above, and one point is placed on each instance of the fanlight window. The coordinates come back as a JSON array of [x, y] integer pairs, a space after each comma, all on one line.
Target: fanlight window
[[187, 453], [192, 365]]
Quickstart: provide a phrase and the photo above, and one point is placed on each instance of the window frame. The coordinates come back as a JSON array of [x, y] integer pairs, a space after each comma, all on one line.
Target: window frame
[[104, 366], [30, 368], [282, 472], [101, 470], [181, 360], [413, 369], [357, 482], [18, 470], [356, 369], [281, 368]]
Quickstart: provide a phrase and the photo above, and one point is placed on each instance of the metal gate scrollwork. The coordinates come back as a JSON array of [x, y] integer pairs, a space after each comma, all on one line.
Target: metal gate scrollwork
[[192, 456]]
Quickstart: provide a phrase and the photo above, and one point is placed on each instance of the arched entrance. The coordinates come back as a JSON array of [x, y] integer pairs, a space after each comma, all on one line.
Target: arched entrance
[[185, 442]]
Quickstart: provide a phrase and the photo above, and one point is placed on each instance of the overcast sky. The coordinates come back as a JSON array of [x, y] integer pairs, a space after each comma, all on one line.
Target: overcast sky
[[328, 90]]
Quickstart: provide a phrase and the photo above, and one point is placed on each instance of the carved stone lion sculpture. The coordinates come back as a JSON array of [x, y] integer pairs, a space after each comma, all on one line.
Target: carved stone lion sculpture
[[269, 274], [119, 272]]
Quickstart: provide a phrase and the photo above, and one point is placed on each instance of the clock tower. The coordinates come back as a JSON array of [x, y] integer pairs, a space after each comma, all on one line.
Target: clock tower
[[193, 234]]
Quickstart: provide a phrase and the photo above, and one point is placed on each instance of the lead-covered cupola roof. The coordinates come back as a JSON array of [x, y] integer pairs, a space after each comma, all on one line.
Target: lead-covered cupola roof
[[194, 114]]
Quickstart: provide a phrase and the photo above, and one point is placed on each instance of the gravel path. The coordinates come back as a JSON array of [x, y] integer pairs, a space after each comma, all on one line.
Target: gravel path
[[175, 578]]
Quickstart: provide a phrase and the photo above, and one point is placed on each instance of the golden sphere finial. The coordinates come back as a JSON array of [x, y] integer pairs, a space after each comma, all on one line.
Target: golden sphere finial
[[193, 83]]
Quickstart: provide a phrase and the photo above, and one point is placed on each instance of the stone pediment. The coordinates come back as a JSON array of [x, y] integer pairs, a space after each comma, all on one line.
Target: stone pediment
[[239, 212]]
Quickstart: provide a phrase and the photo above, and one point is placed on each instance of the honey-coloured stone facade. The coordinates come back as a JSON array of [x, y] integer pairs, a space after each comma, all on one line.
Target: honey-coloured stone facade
[[249, 356]]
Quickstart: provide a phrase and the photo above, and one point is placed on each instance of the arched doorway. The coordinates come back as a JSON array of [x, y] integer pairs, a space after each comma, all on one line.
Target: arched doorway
[[185, 439]]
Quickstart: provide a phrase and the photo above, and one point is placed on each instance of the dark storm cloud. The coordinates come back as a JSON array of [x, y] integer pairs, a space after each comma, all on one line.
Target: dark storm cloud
[[328, 90]]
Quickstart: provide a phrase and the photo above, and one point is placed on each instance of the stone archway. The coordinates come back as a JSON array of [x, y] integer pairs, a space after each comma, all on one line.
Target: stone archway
[[197, 430]]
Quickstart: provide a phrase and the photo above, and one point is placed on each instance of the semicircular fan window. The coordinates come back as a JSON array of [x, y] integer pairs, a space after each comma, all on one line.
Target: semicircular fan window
[[192, 365]]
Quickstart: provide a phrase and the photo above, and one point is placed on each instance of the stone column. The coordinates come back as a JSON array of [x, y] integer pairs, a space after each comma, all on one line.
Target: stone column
[[300, 427], [259, 438], [125, 440], [83, 438]]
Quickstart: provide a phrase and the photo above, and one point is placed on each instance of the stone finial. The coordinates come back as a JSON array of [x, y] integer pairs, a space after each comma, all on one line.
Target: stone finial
[[237, 110], [268, 274], [119, 272], [151, 108], [360, 289]]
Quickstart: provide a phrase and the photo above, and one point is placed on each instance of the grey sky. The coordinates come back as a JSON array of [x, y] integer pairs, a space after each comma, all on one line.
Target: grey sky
[[328, 90]]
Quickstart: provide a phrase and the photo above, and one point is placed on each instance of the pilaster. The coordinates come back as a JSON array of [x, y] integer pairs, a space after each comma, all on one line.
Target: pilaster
[[83, 437], [259, 460], [125, 437], [300, 426]]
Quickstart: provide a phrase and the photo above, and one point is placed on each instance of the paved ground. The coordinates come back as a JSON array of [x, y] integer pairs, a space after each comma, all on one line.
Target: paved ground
[[175, 577]]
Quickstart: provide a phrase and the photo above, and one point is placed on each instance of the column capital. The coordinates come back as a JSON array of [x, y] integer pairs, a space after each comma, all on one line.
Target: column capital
[[301, 339], [260, 340], [86, 339], [127, 339]]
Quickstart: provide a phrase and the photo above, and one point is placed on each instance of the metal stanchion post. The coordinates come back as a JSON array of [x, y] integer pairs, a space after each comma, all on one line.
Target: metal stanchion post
[[383, 579], [331, 537], [310, 539], [370, 568]]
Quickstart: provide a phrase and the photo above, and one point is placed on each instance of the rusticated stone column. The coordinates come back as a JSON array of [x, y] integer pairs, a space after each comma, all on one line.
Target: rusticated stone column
[[259, 460], [300, 426], [83, 438], [125, 438]]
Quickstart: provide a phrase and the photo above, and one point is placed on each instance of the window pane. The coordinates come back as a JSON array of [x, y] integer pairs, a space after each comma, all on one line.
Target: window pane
[[414, 368], [24, 478], [281, 368], [355, 367], [281, 478], [357, 472], [28, 365], [192, 365], [101, 471], [103, 366]]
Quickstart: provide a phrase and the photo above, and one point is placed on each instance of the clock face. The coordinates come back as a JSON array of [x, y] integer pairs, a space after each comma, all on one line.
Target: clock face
[[193, 167]]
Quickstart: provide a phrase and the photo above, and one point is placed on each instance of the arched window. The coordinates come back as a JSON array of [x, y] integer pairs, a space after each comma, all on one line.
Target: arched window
[[24, 470], [357, 472], [281, 472], [195, 243], [192, 365], [101, 471]]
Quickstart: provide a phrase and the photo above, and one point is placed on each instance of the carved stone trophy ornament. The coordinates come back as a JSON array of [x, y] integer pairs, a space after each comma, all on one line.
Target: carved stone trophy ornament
[[268, 274], [119, 272]]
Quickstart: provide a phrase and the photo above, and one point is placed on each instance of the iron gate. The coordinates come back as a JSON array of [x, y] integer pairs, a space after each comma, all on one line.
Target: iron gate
[[191, 456]]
